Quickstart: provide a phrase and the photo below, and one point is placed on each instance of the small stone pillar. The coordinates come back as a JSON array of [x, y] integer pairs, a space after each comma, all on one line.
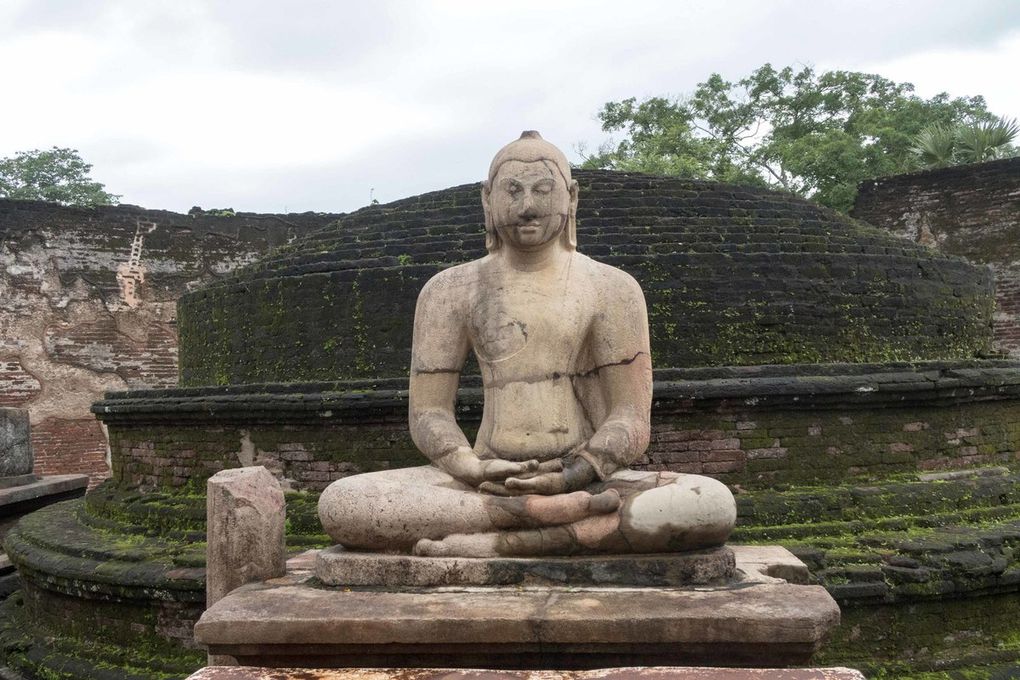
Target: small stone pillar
[[15, 448], [245, 540]]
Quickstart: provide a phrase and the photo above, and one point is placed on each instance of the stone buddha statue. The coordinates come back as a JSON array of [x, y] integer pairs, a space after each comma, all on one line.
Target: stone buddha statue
[[562, 344]]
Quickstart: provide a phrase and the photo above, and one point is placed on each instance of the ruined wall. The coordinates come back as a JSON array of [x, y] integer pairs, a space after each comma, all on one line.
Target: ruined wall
[[969, 210], [88, 304]]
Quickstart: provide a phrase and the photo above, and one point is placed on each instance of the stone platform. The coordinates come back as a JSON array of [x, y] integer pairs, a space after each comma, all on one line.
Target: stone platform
[[637, 673], [754, 620], [18, 501], [339, 567], [21, 492]]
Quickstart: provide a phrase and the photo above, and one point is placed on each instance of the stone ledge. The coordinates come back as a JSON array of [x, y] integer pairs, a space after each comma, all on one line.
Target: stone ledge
[[633, 673], [676, 390], [46, 486], [338, 567], [17, 480]]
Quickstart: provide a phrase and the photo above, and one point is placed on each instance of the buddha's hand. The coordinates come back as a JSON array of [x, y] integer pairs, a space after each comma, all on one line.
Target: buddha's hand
[[465, 465], [553, 479]]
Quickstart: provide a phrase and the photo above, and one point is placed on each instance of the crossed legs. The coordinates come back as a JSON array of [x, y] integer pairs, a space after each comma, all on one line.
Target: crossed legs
[[429, 511]]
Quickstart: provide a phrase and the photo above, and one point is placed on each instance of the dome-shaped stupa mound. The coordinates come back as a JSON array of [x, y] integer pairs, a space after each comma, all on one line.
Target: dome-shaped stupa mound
[[732, 276]]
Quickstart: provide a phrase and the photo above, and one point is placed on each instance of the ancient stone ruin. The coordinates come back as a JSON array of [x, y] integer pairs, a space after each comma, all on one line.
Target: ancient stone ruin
[[843, 383], [88, 304]]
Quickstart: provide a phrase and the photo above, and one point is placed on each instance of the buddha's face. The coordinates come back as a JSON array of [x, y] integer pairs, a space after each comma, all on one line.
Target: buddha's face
[[528, 203]]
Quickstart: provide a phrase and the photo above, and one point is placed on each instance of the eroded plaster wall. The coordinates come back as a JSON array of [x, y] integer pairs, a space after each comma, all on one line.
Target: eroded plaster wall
[[88, 304], [969, 210]]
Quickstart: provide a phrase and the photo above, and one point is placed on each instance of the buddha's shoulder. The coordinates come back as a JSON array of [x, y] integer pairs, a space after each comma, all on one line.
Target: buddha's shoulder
[[605, 276], [452, 281]]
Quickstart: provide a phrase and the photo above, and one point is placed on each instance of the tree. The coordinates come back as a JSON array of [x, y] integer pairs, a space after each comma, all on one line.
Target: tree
[[57, 174], [817, 135], [938, 146]]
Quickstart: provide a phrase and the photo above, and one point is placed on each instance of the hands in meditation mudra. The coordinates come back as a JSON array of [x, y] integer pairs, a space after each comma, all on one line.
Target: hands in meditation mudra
[[562, 344]]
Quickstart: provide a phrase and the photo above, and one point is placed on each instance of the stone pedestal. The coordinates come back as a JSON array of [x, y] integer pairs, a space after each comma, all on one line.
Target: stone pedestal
[[754, 620], [246, 516]]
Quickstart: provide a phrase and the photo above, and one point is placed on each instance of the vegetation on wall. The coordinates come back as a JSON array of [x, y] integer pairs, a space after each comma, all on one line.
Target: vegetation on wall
[[939, 146]]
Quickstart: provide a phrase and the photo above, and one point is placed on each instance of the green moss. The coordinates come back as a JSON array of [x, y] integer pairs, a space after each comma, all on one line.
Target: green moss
[[78, 652]]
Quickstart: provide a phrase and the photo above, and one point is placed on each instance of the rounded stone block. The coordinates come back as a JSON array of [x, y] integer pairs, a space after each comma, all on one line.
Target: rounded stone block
[[15, 445], [339, 567]]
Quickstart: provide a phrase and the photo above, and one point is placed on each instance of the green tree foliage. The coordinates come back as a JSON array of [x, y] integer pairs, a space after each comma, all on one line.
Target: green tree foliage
[[937, 146], [57, 174], [817, 135]]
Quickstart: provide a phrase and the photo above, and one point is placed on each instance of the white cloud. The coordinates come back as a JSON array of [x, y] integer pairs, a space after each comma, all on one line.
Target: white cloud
[[988, 70], [259, 105]]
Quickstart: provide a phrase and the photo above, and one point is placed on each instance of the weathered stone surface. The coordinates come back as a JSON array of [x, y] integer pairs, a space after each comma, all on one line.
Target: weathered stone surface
[[339, 567], [246, 515], [15, 443], [18, 480], [634, 673], [287, 622], [971, 210], [88, 305], [41, 488], [767, 279], [770, 562]]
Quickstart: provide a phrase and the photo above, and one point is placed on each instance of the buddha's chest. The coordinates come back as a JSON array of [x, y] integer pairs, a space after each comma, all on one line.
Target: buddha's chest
[[542, 324]]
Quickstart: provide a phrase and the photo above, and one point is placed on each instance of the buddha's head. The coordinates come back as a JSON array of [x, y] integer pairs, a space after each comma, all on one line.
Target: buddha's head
[[529, 197]]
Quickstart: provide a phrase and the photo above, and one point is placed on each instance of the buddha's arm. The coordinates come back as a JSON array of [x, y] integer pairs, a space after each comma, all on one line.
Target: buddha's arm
[[439, 347], [621, 350]]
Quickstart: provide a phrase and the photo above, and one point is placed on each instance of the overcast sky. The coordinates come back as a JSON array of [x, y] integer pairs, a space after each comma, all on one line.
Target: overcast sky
[[275, 106]]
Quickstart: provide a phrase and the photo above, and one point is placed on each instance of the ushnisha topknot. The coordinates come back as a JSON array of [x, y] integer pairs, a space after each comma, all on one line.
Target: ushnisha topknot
[[528, 148]]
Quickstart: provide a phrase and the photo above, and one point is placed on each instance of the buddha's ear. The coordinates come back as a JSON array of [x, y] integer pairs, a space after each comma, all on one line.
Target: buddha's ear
[[571, 230], [491, 237]]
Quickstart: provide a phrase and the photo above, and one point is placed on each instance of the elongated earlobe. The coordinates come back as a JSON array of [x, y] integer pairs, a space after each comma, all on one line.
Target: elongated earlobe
[[570, 231], [492, 240]]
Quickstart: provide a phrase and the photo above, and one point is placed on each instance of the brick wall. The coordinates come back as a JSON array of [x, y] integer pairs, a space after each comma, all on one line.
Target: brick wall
[[731, 275], [88, 304], [968, 210], [754, 427]]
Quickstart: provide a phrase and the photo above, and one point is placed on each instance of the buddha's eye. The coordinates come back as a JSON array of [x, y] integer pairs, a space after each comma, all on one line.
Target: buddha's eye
[[513, 188], [543, 187]]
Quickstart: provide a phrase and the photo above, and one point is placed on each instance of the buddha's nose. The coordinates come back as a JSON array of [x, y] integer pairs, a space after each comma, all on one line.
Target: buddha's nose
[[527, 209]]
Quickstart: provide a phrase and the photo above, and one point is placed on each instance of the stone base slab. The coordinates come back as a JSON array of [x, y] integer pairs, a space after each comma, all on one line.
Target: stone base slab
[[758, 620], [634, 673], [339, 567]]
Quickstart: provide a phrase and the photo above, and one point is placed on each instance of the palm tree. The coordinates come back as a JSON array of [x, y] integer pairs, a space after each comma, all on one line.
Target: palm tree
[[935, 146], [938, 145], [985, 141]]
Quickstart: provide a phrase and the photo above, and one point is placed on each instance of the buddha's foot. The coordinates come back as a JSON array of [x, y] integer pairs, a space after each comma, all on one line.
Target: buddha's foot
[[459, 545], [535, 511]]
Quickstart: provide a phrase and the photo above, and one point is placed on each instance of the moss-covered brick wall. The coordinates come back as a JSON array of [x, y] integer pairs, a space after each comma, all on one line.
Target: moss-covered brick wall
[[754, 427], [968, 210], [732, 276]]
